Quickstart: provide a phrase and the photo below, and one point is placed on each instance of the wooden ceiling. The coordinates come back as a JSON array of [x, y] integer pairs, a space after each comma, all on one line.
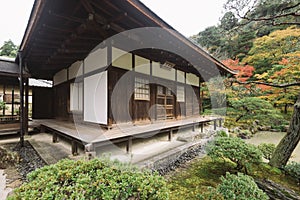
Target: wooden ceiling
[[61, 32]]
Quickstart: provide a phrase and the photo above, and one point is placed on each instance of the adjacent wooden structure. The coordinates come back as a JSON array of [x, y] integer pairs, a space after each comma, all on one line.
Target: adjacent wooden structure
[[13, 95]]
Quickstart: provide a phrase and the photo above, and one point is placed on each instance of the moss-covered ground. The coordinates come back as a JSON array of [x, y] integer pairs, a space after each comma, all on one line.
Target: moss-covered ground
[[199, 175]]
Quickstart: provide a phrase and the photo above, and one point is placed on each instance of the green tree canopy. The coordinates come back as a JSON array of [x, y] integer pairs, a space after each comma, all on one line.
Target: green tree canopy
[[271, 49], [9, 49]]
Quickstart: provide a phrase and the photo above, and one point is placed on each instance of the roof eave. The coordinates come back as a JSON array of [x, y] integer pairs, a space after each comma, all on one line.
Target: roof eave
[[160, 22], [34, 16]]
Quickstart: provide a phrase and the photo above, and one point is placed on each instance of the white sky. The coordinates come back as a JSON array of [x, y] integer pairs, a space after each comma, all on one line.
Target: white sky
[[189, 17]]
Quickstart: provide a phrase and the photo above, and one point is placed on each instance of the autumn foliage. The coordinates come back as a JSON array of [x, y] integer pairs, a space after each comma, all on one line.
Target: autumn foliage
[[244, 71]]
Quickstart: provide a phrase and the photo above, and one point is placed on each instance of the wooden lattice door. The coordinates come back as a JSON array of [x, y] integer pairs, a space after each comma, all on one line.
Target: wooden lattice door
[[165, 103]]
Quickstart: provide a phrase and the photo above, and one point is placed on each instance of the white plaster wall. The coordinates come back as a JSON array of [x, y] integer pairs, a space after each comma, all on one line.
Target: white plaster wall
[[60, 77], [95, 98], [192, 79], [162, 73], [121, 59], [76, 96], [95, 60], [180, 76], [142, 65], [76, 69]]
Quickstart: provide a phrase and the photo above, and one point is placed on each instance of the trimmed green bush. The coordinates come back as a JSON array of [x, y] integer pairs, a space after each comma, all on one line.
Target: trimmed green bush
[[293, 169], [267, 150], [95, 179], [235, 150], [221, 133], [235, 187], [241, 187]]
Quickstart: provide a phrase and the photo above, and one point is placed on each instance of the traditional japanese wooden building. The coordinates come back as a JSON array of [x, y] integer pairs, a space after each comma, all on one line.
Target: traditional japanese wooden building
[[9, 90], [10, 96], [113, 62]]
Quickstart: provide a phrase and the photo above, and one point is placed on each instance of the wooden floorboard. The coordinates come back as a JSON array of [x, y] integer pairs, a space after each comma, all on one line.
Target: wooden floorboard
[[96, 135], [9, 128]]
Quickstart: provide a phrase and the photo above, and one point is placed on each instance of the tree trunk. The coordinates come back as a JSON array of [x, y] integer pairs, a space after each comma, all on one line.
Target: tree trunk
[[289, 142], [285, 108]]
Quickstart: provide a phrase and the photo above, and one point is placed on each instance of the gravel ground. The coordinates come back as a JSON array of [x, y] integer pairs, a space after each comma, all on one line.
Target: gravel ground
[[29, 158]]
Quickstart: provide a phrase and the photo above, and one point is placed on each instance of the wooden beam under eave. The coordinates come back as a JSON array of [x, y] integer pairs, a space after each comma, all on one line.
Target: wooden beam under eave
[[104, 22], [37, 46], [79, 30], [49, 36], [100, 30], [51, 67], [121, 15], [73, 51], [87, 6], [67, 18], [56, 29]]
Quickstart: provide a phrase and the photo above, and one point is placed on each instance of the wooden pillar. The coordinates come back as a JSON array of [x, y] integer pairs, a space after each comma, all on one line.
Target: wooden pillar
[[215, 124], [83, 75], [175, 98], [170, 136], [132, 85], [185, 95], [109, 89], [129, 145], [200, 97], [202, 126], [74, 148], [42, 129], [26, 106], [21, 99], [54, 137], [4, 90], [12, 102]]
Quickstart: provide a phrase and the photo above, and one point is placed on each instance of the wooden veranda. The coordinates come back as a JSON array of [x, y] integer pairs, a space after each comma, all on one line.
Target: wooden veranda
[[93, 136]]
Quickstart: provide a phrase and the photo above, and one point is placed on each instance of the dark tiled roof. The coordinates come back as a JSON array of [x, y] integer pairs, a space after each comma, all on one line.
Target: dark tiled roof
[[9, 68]]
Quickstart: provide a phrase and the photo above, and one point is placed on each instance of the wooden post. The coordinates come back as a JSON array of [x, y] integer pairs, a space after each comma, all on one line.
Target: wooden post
[[215, 124], [54, 138], [21, 100], [4, 90], [12, 102], [42, 129], [202, 126], [220, 122], [170, 135], [129, 145], [194, 127], [74, 148], [26, 107], [109, 89]]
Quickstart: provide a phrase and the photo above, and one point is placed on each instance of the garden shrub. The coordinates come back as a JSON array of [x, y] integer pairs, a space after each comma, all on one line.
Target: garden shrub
[[267, 150], [95, 179], [244, 134], [235, 187], [235, 150], [240, 187], [293, 169], [221, 133]]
